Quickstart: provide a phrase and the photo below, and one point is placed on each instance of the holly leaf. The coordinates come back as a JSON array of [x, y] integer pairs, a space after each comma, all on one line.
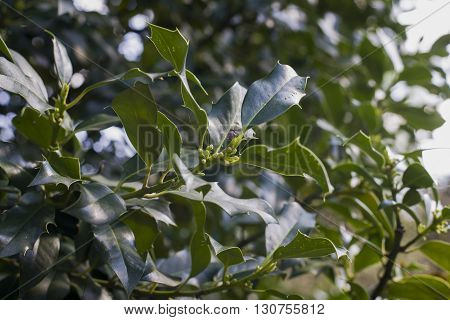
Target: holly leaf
[[38, 260], [291, 160], [229, 256], [302, 246], [98, 122], [364, 143], [199, 249], [158, 209], [218, 197], [170, 136], [66, 166], [118, 244], [225, 116], [63, 65], [419, 287], [273, 95], [5, 50], [24, 223], [96, 204], [416, 176], [293, 218], [137, 111], [171, 45], [145, 230], [48, 175], [437, 251], [38, 128], [29, 71]]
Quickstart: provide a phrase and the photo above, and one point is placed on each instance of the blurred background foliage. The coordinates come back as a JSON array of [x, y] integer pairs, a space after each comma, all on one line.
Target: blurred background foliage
[[361, 78]]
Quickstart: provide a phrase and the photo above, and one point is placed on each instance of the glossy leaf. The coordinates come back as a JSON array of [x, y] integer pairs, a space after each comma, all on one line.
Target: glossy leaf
[[416, 176], [291, 160], [229, 256], [145, 230], [5, 50], [438, 252], [38, 128], [48, 175], [152, 274], [137, 110], [412, 197], [271, 96], [199, 249], [98, 122], [29, 71], [17, 86], [118, 242], [192, 104], [418, 118], [96, 204], [302, 246], [224, 119], [171, 138], [419, 287], [37, 261], [217, 196], [66, 166], [171, 45], [293, 218], [63, 65], [23, 224], [134, 73], [158, 209], [364, 143]]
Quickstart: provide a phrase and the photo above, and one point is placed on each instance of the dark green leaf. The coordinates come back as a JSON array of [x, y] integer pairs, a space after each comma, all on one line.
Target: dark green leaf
[[364, 143], [357, 292], [171, 137], [5, 50], [419, 118], [225, 116], [416, 75], [63, 64], [134, 73], [416, 176], [23, 224], [144, 228], [97, 204], [171, 45], [48, 175], [229, 256], [199, 249], [284, 296], [98, 122], [29, 71], [366, 257], [293, 218], [137, 110], [412, 197], [158, 209], [291, 160], [18, 87], [38, 128], [271, 96], [152, 274], [419, 287], [217, 196], [66, 166], [353, 167], [192, 104], [302, 246], [370, 116], [118, 242], [55, 286], [438, 252], [37, 261]]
